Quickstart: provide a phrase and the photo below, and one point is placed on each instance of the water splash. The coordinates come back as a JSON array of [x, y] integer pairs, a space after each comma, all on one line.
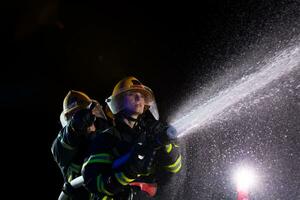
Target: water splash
[[283, 63]]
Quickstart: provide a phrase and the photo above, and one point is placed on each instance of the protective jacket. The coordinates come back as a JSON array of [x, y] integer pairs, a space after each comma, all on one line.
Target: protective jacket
[[69, 149], [106, 180]]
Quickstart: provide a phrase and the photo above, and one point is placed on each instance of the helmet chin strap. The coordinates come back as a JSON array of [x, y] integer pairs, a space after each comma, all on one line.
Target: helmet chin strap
[[125, 115]]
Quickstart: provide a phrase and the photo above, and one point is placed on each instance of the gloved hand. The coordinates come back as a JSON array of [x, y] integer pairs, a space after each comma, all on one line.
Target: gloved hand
[[162, 133], [82, 119], [158, 133]]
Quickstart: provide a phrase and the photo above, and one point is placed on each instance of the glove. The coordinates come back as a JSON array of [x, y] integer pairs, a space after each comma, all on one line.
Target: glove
[[161, 133], [82, 119]]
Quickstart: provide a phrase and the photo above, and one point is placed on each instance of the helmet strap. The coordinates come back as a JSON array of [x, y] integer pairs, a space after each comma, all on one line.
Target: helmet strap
[[124, 115]]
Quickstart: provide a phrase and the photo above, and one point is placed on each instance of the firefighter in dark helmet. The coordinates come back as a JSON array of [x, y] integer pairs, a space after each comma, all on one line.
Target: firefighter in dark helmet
[[128, 160], [81, 119]]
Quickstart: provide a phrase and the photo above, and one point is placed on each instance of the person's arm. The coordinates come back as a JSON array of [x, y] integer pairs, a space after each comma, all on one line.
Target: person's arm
[[168, 163], [169, 157], [67, 144], [64, 148], [105, 174]]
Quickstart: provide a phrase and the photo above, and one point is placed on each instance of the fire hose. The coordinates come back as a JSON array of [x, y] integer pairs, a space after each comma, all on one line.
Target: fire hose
[[75, 183]]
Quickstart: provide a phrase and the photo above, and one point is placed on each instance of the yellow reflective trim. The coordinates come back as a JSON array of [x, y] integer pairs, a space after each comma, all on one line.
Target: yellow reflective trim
[[100, 186], [176, 145], [70, 178], [169, 148], [125, 179], [98, 159], [122, 178], [104, 190], [175, 167], [147, 174], [104, 198], [175, 163], [98, 183]]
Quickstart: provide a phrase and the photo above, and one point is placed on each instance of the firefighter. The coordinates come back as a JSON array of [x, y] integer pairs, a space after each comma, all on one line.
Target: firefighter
[[81, 119], [128, 160]]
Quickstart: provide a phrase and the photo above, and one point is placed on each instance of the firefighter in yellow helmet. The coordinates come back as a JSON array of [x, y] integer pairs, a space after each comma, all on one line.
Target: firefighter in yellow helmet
[[76, 100], [128, 160], [81, 118], [130, 84]]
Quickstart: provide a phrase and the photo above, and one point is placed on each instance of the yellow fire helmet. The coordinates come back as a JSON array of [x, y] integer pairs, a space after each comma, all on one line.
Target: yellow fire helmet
[[115, 101], [76, 100]]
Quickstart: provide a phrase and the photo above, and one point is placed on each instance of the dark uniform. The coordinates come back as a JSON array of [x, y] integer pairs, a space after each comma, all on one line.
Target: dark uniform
[[71, 144], [103, 171], [69, 150]]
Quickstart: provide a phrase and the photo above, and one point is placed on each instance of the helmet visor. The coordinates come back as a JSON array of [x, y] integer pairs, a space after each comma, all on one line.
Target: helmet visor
[[116, 103]]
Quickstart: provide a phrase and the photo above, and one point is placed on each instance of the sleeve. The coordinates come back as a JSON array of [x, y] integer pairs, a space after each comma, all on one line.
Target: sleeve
[[170, 158], [169, 163], [100, 177], [64, 148]]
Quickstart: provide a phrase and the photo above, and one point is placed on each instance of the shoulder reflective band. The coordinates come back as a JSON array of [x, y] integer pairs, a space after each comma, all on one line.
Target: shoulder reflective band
[[100, 186], [175, 167], [124, 180], [99, 158]]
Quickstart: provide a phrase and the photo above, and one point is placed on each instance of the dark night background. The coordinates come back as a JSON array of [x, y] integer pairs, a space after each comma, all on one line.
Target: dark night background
[[53, 46]]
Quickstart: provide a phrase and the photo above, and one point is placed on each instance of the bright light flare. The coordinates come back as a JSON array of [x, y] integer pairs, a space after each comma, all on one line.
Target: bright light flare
[[245, 178]]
